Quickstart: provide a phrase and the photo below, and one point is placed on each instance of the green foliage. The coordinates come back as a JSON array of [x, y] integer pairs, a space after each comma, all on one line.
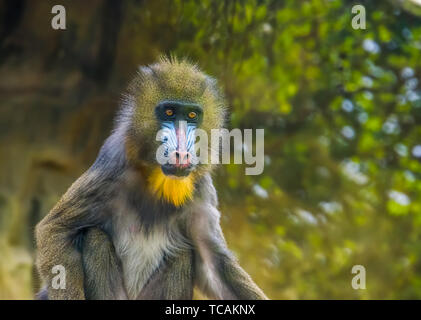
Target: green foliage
[[341, 112]]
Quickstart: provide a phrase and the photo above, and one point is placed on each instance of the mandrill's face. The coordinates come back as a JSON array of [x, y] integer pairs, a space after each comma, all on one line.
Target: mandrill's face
[[178, 123], [167, 104]]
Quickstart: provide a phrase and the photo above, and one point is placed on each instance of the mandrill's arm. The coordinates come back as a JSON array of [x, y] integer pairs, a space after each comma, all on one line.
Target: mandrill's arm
[[102, 269], [59, 236], [219, 275]]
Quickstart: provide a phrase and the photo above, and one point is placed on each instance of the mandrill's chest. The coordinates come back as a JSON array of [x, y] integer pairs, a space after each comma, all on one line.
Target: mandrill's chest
[[142, 250]]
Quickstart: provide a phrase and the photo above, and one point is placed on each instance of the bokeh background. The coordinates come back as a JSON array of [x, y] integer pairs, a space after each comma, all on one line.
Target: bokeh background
[[341, 109]]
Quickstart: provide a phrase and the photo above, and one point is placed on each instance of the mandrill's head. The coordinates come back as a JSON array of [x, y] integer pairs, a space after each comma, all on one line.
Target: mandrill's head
[[165, 105]]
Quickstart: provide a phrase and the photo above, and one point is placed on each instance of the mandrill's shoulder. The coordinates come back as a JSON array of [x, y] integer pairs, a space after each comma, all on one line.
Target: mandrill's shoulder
[[206, 190], [111, 159], [96, 185]]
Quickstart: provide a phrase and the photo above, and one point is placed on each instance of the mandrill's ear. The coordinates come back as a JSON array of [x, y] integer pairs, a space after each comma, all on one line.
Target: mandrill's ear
[[212, 85], [145, 70], [150, 69]]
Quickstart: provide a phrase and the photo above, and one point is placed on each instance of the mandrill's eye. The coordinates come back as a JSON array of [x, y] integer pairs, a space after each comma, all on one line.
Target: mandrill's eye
[[169, 112], [192, 115]]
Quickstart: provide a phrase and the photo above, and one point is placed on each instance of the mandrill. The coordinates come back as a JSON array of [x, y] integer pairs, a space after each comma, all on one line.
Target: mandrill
[[132, 227]]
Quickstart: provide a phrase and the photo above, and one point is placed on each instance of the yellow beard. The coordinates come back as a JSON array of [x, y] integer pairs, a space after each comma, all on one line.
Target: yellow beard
[[174, 190]]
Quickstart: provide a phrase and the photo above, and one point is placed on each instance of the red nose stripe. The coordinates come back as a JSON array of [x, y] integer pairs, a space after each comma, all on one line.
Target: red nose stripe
[[182, 159], [181, 139]]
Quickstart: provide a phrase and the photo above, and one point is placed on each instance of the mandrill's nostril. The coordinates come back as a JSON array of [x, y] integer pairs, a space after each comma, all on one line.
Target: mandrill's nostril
[[180, 158]]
